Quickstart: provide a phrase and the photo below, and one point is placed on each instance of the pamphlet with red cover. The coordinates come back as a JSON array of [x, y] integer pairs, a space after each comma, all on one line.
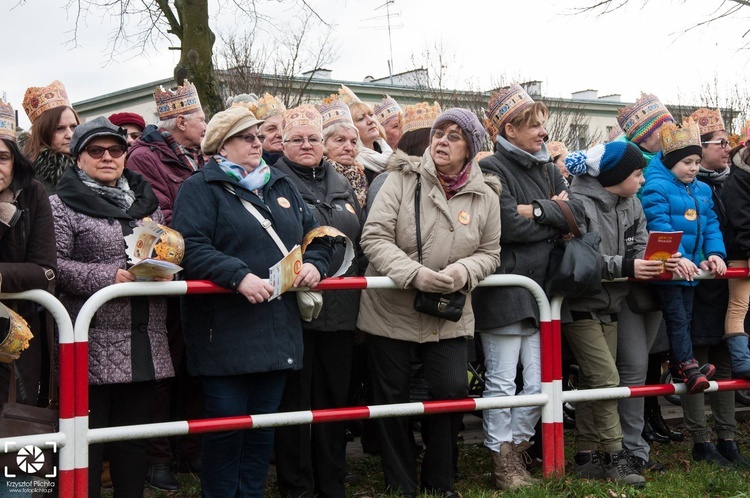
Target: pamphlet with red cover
[[661, 245]]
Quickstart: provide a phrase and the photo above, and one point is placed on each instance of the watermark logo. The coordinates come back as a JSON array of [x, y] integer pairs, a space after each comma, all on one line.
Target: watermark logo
[[30, 460]]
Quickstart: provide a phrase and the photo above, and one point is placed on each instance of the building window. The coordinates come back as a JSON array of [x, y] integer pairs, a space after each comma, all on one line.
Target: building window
[[579, 136]]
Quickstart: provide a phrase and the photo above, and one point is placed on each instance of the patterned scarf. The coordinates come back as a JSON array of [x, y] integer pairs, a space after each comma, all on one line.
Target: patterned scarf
[[120, 195], [356, 176], [453, 183], [253, 181], [190, 156], [714, 177]]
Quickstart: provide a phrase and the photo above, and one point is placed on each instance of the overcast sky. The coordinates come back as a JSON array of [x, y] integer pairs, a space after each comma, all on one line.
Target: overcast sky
[[637, 48]]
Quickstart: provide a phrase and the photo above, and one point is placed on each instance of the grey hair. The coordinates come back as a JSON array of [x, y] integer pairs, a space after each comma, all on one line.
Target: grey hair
[[241, 98], [329, 131], [170, 124]]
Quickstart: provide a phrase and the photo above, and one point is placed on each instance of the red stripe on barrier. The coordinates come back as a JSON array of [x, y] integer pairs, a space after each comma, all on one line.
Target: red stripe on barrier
[[548, 450], [66, 483], [559, 449], [81, 382], [67, 380], [446, 406], [220, 424], [655, 390], [556, 349], [547, 352], [339, 414], [81, 479], [342, 283], [732, 385], [205, 287]]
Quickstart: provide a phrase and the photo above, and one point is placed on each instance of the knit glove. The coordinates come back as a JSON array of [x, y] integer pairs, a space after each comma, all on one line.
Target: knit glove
[[427, 280], [9, 214], [458, 273]]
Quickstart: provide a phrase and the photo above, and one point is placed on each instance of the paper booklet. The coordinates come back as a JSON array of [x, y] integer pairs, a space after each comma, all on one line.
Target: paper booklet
[[154, 251], [661, 245], [282, 275]]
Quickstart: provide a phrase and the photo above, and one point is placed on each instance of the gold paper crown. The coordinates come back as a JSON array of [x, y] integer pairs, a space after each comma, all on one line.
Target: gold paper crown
[[172, 103], [348, 96], [505, 104], [306, 114], [675, 137], [386, 109], [708, 120], [268, 106], [334, 111], [171, 246], [556, 149], [418, 116], [7, 122], [39, 99], [16, 337], [482, 154]]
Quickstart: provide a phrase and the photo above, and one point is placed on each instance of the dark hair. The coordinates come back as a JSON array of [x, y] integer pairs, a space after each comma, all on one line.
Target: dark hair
[[706, 137], [415, 142], [43, 130], [23, 169]]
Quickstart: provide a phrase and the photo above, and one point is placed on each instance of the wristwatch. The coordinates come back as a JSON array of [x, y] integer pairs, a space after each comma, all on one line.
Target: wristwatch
[[537, 212]]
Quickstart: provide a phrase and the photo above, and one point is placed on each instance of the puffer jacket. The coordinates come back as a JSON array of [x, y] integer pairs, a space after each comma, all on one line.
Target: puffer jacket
[[671, 205], [151, 157], [127, 336], [333, 202], [389, 241], [620, 223]]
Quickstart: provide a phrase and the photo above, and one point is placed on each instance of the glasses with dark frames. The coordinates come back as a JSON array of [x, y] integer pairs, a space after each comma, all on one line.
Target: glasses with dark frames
[[723, 143], [97, 151]]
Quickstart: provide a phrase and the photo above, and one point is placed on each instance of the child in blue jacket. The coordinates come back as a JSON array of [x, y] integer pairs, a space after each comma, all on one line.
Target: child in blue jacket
[[673, 200]]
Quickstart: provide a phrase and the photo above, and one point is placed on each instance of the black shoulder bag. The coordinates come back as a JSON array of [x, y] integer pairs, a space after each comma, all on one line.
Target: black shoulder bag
[[446, 306]]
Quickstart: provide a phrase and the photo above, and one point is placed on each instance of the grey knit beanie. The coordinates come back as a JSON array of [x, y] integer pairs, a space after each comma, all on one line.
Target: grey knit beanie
[[469, 124]]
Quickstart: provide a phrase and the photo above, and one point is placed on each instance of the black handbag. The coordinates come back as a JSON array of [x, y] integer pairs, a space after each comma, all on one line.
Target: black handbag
[[575, 265], [446, 306]]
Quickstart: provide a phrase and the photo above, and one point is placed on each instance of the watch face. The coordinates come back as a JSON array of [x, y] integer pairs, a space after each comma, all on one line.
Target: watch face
[[537, 211]]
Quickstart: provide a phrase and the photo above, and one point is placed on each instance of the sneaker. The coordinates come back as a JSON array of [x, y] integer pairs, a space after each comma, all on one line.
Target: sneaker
[[690, 373], [619, 468], [588, 465], [642, 465]]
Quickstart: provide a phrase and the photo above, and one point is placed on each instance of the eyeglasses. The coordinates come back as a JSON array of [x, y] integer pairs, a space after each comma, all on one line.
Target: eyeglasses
[[723, 143], [298, 141], [250, 138], [97, 152], [452, 136]]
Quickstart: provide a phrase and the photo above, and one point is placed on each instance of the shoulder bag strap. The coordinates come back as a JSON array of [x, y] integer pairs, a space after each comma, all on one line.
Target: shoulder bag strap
[[568, 214], [266, 224], [417, 198]]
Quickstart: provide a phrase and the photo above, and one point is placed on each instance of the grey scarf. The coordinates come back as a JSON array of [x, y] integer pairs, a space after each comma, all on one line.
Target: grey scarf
[[120, 195]]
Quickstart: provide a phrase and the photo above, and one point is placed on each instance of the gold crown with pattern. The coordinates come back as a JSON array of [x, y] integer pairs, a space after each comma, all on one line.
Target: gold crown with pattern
[[172, 103], [15, 334], [418, 116], [505, 104], [675, 137], [556, 149], [268, 106], [387, 108], [39, 99], [349, 97], [306, 114], [7, 122], [708, 120], [334, 111]]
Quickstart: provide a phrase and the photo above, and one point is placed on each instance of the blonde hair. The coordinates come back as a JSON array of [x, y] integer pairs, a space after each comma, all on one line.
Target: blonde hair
[[528, 117], [362, 108]]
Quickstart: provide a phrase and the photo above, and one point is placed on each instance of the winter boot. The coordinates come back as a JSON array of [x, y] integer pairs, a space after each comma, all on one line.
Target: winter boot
[[740, 355], [525, 460], [707, 452], [588, 465], [729, 450], [506, 473], [619, 468], [692, 375], [660, 426]]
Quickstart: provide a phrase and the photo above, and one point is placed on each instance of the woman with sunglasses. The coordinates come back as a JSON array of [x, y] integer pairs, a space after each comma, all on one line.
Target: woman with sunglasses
[[97, 204], [311, 460], [241, 345]]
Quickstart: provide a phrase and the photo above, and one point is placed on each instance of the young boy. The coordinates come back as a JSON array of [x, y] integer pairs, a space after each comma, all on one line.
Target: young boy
[[607, 179], [674, 200]]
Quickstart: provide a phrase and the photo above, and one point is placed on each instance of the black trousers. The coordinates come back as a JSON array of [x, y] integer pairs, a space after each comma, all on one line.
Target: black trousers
[[444, 367], [311, 459], [114, 405]]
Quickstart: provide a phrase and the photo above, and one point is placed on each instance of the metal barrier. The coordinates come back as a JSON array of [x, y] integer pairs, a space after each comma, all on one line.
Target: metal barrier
[[85, 436], [64, 440]]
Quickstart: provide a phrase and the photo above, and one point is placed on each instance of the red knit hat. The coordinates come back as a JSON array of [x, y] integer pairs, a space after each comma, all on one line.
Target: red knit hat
[[123, 118]]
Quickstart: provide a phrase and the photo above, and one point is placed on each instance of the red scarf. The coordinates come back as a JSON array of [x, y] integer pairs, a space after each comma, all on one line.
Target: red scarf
[[453, 183]]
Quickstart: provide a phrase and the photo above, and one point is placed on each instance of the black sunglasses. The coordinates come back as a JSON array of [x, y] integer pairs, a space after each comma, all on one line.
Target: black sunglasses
[[97, 151]]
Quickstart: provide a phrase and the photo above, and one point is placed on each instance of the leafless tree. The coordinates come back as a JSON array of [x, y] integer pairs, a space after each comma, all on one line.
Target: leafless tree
[[568, 123]]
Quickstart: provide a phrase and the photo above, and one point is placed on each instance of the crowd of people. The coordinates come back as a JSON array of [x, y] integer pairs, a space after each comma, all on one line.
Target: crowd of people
[[413, 192]]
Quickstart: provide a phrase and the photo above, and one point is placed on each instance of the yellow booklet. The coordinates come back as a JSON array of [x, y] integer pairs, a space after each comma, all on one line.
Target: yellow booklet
[[282, 275]]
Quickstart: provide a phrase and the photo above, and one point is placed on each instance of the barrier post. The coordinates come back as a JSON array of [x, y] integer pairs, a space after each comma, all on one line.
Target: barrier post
[[66, 440], [555, 357]]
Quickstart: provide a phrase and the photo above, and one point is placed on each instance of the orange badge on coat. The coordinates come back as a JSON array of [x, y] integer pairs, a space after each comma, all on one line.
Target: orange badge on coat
[[464, 218], [691, 215], [283, 202]]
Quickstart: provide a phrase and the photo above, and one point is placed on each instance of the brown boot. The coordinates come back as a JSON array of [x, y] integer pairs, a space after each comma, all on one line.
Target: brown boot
[[525, 460], [507, 470]]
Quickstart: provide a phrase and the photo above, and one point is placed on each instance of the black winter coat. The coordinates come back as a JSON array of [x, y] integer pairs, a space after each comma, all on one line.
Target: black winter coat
[[226, 334], [332, 200]]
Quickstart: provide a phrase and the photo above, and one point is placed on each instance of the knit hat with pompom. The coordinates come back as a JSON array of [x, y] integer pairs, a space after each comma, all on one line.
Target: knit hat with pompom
[[610, 163]]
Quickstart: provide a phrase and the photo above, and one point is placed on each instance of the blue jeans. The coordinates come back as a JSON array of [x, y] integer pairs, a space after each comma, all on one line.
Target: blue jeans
[[676, 303], [235, 463]]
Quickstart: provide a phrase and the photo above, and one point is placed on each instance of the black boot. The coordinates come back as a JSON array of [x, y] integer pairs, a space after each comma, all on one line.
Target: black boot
[[652, 436], [707, 452], [729, 450], [160, 476], [659, 426]]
